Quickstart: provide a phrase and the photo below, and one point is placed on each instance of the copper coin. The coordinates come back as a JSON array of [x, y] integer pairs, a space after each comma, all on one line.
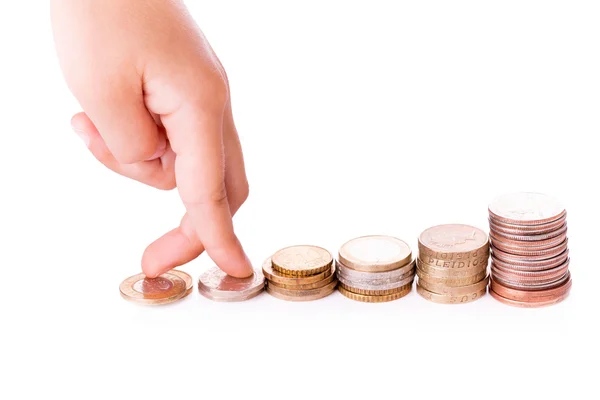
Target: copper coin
[[524, 230], [505, 237], [531, 256], [529, 304], [302, 260], [282, 279], [450, 299], [530, 295], [364, 298], [218, 286], [454, 290], [532, 265], [519, 285], [301, 295], [454, 282], [450, 273], [375, 253], [528, 250], [452, 241], [552, 273], [163, 289], [526, 209]]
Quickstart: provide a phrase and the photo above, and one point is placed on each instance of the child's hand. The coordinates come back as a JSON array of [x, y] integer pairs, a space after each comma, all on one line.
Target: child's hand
[[157, 109]]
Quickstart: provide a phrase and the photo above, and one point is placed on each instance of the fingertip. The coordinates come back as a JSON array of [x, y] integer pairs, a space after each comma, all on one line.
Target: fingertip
[[150, 267]]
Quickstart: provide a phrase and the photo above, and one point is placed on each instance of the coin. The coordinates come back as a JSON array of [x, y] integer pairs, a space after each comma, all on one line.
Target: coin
[[454, 291], [454, 264], [163, 289], [282, 279], [528, 285], [377, 285], [450, 299], [217, 285], [375, 253], [450, 273], [529, 255], [452, 241], [530, 295], [513, 229], [526, 208], [302, 260], [536, 240], [375, 277], [367, 292], [530, 303], [551, 273], [528, 265], [301, 295], [307, 286], [450, 281], [374, 299], [189, 282]]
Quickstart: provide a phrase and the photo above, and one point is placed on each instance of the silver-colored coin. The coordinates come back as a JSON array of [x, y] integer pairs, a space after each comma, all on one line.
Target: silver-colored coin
[[371, 285], [353, 275], [217, 285], [526, 208]]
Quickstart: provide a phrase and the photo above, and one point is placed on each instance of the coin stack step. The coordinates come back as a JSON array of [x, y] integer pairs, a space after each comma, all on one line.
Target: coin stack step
[[452, 264], [530, 255], [300, 273], [375, 269]]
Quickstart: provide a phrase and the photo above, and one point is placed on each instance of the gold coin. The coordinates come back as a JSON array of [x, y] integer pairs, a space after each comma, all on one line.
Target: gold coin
[[441, 288], [375, 292], [373, 299], [450, 273], [301, 295], [450, 299], [307, 286], [302, 260], [163, 289], [447, 281], [283, 279], [456, 264], [375, 253], [453, 241], [189, 282]]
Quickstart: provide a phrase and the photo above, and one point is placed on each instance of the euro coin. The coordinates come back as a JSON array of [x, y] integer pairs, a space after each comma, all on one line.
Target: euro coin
[[373, 299], [288, 280], [301, 260], [376, 253]]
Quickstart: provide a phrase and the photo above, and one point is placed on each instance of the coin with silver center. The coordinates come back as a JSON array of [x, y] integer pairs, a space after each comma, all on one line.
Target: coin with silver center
[[368, 285], [217, 285], [376, 253], [374, 277]]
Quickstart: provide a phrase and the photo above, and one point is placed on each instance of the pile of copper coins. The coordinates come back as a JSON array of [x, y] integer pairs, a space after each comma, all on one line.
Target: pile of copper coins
[[300, 273], [530, 255], [452, 264], [375, 269]]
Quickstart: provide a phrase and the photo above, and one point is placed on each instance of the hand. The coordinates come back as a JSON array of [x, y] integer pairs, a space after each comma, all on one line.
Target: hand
[[157, 109]]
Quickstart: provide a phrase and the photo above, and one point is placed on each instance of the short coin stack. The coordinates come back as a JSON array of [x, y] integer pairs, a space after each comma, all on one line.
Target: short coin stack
[[530, 255], [452, 264], [375, 269], [216, 285], [300, 273]]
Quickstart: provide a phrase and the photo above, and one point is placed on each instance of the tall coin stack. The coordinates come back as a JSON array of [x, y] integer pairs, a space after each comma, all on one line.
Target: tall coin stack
[[300, 273], [452, 264], [375, 269], [530, 255]]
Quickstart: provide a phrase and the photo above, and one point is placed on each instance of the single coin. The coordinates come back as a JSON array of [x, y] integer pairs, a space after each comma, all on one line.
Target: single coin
[[530, 240], [217, 285], [306, 286], [301, 295], [513, 229], [302, 260], [163, 289], [450, 299], [453, 241], [529, 255], [526, 208], [450, 273], [369, 292], [454, 282], [530, 251], [377, 285], [375, 253], [452, 290], [374, 299], [548, 274], [454, 264], [382, 277], [529, 303], [530, 295], [284, 280], [520, 285], [525, 265]]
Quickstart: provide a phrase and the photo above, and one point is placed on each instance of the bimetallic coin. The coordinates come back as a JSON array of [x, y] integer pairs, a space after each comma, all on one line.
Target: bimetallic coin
[[370, 286], [366, 292], [454, 291], [450, 299], [383, 277], [454, 282], [163, 289], [526, 208], [374, 299], [377, 253], [301, 260], [217, 285], [189, 282], [301, 295], [444, 241], [283, 280]]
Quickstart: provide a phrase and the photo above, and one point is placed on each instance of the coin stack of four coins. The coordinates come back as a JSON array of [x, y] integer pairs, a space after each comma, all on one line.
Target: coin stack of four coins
[[452, 264], [375, 269], [300, 273]]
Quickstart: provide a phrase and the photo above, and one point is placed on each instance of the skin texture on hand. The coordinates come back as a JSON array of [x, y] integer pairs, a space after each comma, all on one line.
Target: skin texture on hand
[[157, 109]]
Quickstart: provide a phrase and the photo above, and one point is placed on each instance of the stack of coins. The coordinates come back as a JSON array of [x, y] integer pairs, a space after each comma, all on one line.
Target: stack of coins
[[300, 273], [216, 285], [530, 255], [452, 264], [166, 288], [375, 269]]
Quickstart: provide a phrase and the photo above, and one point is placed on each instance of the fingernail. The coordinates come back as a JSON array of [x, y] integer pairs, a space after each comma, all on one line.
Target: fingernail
[[83, 136], [160, 150]]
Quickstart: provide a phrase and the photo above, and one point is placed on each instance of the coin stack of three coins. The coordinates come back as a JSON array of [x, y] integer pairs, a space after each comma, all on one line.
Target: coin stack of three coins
[[300, 273], [375, 269], [452, 264], [530, 255]]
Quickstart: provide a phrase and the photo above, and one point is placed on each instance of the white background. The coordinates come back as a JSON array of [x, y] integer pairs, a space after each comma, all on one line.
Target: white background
[[355, 118]]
